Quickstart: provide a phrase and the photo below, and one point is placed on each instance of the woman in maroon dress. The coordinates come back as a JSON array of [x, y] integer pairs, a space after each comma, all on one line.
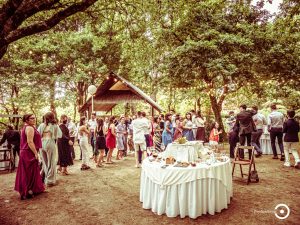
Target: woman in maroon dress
[[28, 179], [110, 139]]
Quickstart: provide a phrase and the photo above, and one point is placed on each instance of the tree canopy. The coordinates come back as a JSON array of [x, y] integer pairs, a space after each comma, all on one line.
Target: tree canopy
[[207, 55]]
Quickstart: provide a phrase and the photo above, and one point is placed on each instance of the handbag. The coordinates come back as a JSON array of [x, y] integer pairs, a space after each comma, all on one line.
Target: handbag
[[254, 175]]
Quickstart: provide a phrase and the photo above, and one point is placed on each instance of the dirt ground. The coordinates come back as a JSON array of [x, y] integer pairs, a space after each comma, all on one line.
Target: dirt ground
[[110, 195]]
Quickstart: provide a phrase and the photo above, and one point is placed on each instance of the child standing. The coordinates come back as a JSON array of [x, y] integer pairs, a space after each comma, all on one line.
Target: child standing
[[214, 135], [291, 139]]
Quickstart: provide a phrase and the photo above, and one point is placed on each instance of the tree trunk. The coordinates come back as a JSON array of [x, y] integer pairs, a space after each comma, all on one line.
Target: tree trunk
[[132, 108], [217, 109], [127, 109], [198, 103], [170, 99], [3, 50], [80, 95], [75, 112], [52, 98], [153, 96]]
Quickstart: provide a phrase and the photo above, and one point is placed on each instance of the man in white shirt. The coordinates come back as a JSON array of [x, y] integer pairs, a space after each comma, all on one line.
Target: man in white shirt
[[139, 125], [275, 127], [147, 130], [193, 112], [92, 123], [72, 131], [259, 121], [230, 121]]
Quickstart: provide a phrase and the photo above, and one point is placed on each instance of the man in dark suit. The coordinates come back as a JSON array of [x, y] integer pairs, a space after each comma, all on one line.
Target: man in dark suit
[[13, 140], [233, 137], [246, 125]]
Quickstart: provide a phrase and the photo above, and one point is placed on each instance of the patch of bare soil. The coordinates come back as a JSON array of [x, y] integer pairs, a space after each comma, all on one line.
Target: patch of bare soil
[[110, 195]]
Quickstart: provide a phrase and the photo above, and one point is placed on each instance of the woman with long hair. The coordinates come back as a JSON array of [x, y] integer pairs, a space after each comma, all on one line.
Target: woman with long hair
[[100, 141], [110, 139], [214, 135], [179, 128], [167, 133], [200, 122], [50, 132], [28, 180], [84, 143], [64, 143], [157, 133], [188, 127], [121, 131]]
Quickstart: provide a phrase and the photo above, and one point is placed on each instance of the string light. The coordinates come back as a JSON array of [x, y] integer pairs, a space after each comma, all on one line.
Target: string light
[[30, 52]]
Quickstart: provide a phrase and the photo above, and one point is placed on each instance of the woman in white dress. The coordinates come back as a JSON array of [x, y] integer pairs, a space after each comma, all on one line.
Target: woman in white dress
[[84, 143]]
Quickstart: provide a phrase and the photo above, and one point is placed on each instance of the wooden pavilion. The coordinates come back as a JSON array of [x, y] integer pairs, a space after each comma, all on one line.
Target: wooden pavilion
[[115, 90]]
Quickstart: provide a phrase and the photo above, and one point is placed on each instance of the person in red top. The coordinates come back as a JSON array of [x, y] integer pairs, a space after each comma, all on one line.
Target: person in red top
[[110, 139], [214, 135]]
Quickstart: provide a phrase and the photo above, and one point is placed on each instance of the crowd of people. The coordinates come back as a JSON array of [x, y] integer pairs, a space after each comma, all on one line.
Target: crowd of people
[[247, 128], [38, 147]]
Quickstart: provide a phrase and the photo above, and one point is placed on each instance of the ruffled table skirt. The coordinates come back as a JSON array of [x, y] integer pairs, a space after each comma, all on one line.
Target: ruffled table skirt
[[193, 198], [265, 144], [190, 199]]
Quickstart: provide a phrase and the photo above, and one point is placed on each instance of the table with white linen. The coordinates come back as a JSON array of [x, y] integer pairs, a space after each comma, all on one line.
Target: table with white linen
[[190, 191], [187, 152], [265, 144]]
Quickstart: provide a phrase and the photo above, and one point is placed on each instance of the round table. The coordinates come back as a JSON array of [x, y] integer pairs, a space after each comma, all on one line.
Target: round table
[[190, 191], [265, 144]]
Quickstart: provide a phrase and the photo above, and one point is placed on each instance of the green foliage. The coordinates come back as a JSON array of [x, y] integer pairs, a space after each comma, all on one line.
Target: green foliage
[[209, 55]]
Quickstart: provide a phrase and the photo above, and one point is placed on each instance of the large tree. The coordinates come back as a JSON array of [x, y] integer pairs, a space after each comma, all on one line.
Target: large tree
[[214, 45], [21, 18]]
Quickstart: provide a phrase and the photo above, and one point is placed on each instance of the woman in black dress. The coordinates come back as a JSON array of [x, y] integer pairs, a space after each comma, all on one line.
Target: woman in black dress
[[100, 141], [63, 145]]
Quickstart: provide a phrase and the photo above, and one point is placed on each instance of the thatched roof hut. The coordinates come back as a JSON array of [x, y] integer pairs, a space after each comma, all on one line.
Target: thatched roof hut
[[114, 90]]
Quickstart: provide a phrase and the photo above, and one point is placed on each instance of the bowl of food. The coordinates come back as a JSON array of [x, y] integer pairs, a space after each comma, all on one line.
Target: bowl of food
[[181, 140]]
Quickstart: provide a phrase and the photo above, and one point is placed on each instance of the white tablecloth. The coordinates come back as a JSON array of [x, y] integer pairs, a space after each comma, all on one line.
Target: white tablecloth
[[190, 191], [188, 152], [265, 144]]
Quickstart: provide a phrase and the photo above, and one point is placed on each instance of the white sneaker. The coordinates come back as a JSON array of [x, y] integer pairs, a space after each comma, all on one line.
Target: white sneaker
[[287, 164]]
